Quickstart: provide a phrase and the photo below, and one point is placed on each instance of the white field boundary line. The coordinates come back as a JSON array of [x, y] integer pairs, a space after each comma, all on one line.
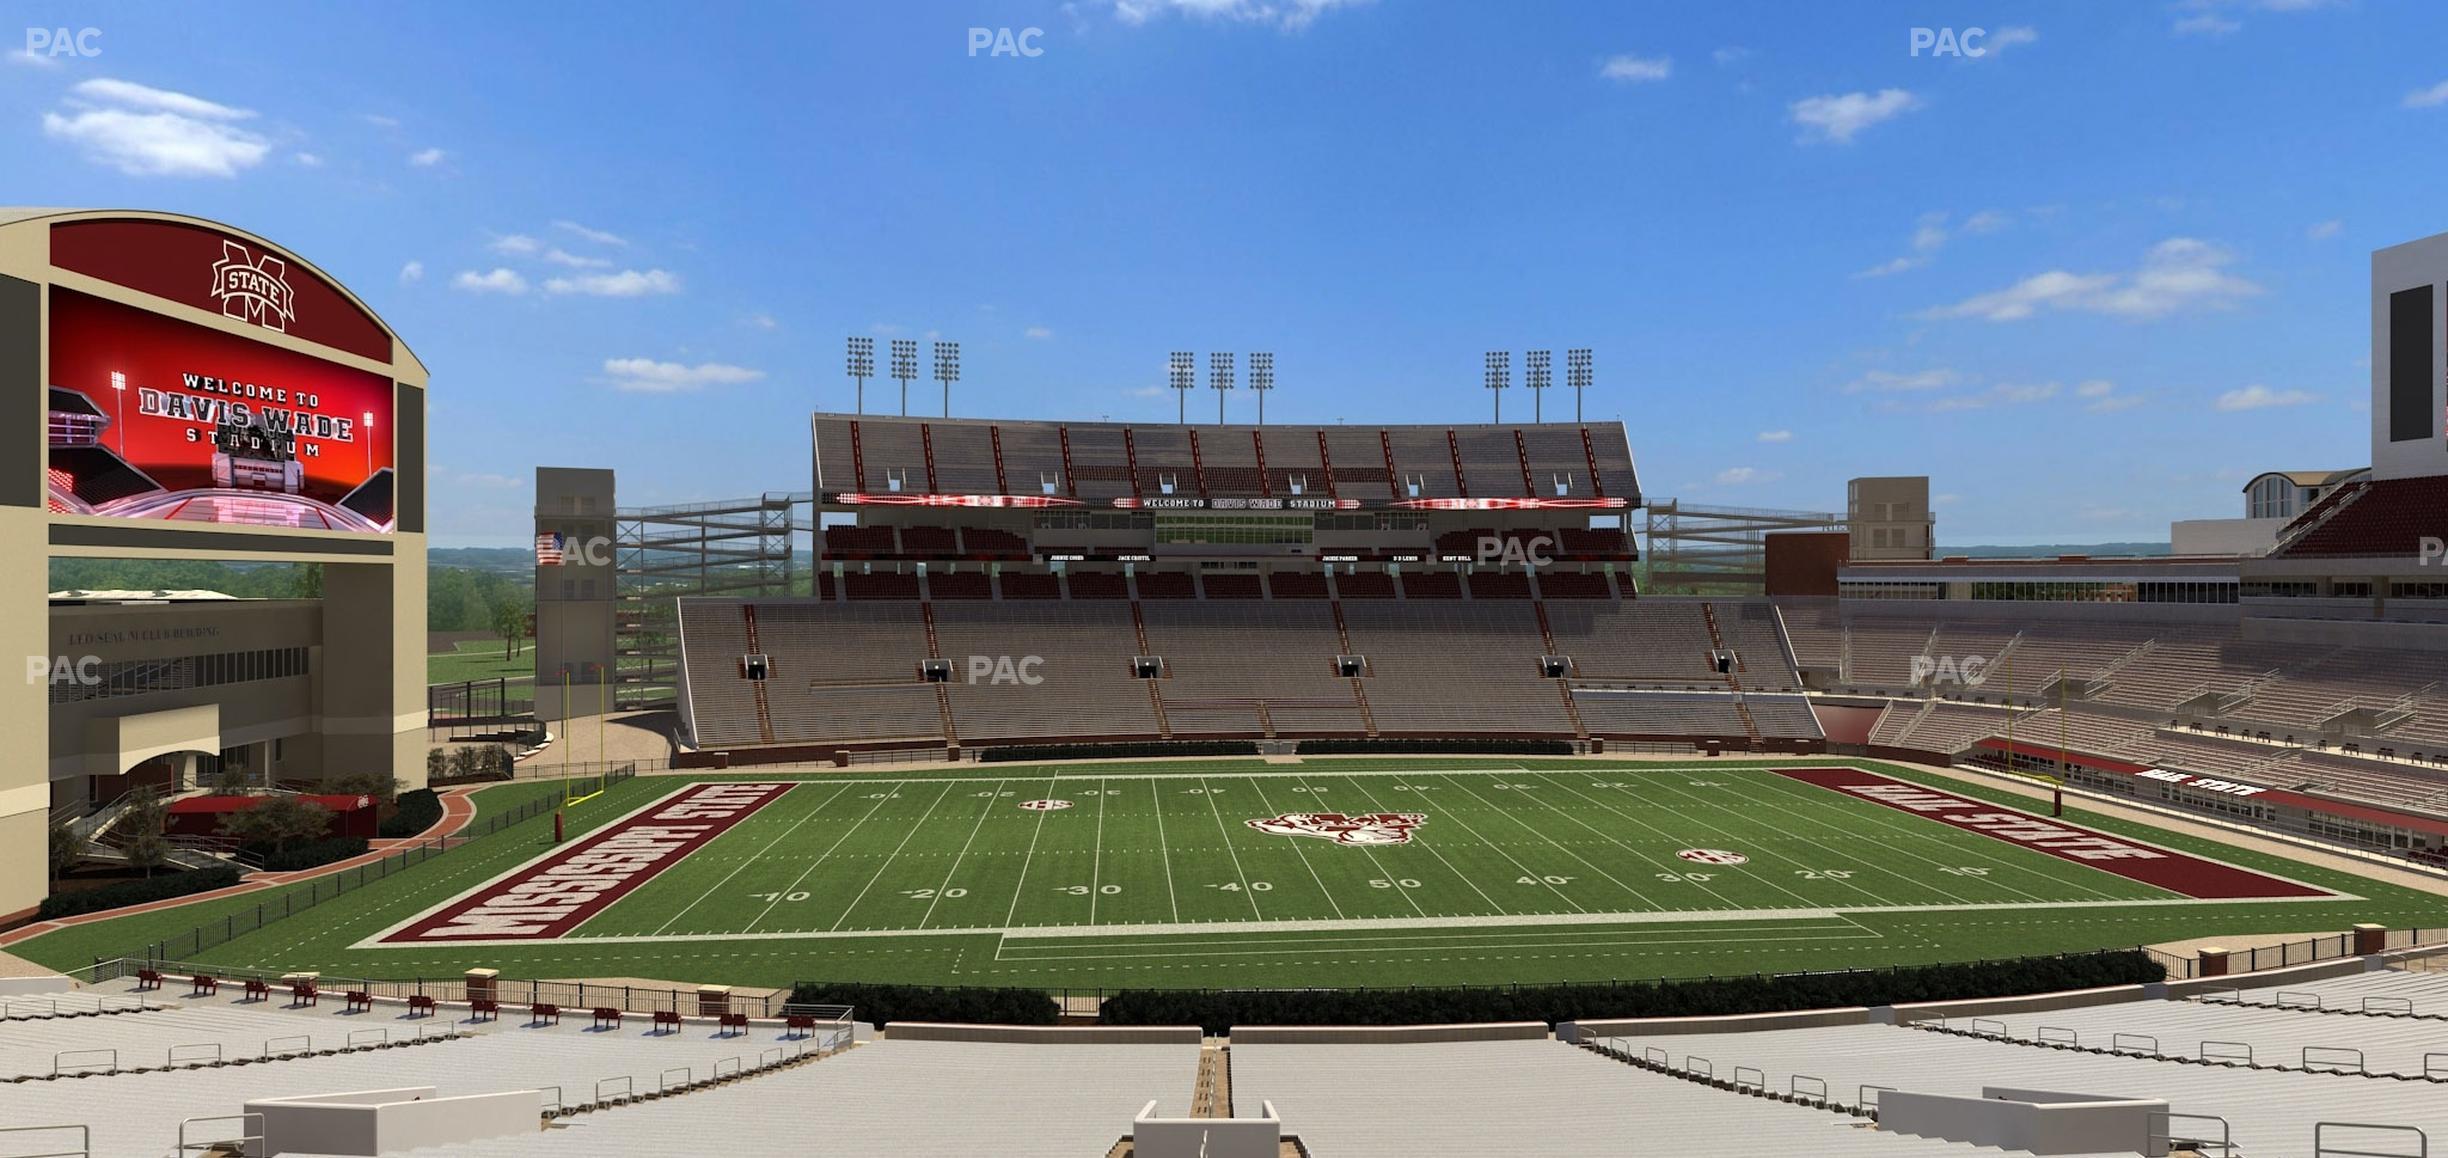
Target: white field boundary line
[[1423, 950], [1332, 925], [1840, 924]]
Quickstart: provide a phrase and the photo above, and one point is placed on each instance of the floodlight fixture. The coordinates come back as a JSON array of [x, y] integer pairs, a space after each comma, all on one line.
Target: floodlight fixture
[[904, 367], [1181, 371], [1536, 376], [1262, 379], [862, 367], [1577, 376], [1220, 379], [947, 371], [1499, 376]]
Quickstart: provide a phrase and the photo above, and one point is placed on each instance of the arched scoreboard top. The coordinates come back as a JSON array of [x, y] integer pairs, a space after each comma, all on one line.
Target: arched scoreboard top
[[192, 375]]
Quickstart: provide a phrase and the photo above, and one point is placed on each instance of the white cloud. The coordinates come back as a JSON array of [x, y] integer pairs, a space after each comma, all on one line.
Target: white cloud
[[628, 283], [647, 376], [1776, 436], [761, 320], [1149, 392], [2000, 39], [32, 60], [560, 256], [1889, 382], [2002, 394], [1929, 236], [1987, 221], [412, 272], [498, 281], [381, 122], [1837, 118], [2323, 230], [1038, 333], [150, 132], [515, 244], [1893, 265], [2206, 24], [1729, 54], [1744, 475], [426, 158], [2260, 397], [2099, 396], [1630, 69], [597, 236], [1288, 15], [2424, 98], [309, 160], [476, 478], [2178, 274]]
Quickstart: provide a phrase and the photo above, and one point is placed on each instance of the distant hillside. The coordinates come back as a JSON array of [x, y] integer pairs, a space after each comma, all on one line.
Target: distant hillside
[[498, 559], [2051, 550]]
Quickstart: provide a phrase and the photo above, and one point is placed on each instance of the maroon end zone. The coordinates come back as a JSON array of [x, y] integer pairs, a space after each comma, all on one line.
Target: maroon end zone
[[549, 897], [2174, 871]]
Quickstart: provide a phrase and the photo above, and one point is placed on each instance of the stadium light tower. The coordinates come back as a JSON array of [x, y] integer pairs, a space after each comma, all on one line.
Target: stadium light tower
[[904, 367], [1220, 376], [1577, 376], [1499, 376], [1262, 379], [947, 370], [1537, 377], [862, 367], [1181, 370]]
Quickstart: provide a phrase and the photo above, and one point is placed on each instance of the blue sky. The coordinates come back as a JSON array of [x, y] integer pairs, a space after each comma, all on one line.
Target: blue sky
[[2089, 281]]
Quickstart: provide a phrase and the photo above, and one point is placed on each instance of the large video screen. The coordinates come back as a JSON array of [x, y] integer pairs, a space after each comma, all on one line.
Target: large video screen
[[156, 418]]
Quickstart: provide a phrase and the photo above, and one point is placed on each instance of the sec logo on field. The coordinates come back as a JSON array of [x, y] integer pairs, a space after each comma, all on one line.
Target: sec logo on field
[[1713, 856], [1045, 805]]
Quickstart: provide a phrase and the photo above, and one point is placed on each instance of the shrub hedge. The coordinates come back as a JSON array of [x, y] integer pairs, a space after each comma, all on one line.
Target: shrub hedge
[[1479, 747], [161, 886], [1130, 751], [885, 1004], [311, 854], [1220, 1010], [418, 810]]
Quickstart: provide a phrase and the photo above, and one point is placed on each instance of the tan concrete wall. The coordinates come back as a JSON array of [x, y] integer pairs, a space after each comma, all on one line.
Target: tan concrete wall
[[1387, 1034], [1576, 1031], [1047, 1034]]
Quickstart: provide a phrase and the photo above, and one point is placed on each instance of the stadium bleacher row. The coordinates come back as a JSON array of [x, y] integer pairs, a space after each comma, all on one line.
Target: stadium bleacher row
[[855, 672]]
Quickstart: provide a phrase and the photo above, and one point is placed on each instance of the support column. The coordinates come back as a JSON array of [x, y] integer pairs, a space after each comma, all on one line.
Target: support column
[[373, 668]]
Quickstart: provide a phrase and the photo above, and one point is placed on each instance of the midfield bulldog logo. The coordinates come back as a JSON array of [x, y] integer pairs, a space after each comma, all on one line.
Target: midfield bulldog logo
[[1367, 828]]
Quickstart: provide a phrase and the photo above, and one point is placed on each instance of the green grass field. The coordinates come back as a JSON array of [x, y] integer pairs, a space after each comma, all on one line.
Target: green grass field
[[1523, 871], [478, 659]]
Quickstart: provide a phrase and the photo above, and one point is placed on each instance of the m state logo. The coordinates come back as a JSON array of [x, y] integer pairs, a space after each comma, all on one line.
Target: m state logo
[[1367, 828], [253, 289], [1045, 805], [1713, 856]]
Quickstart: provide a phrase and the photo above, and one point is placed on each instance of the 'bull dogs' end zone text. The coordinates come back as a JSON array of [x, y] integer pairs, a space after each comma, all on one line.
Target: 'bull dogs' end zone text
[[549, 897], [2177, 872]]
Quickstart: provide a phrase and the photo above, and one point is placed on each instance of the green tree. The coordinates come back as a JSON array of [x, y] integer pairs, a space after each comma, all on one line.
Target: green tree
[[510, 623], [68, 848], [232, 780], [277, 821], [140, 830], [384, 789]]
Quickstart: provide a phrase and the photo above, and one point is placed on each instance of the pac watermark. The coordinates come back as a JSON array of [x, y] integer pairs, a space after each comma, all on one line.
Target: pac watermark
[[64, 670], [1006, 670], [1529, 551], [1969, 671], [1958, 42], [2432, 551], [53, 43], [1012, 42]]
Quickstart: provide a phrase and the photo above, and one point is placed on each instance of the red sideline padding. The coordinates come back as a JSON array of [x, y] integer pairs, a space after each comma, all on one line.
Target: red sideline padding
[[2174, 871], [550, 896]]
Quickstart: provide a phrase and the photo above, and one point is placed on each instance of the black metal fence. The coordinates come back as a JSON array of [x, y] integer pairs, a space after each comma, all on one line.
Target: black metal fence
[[289, 903], [2305, 952]]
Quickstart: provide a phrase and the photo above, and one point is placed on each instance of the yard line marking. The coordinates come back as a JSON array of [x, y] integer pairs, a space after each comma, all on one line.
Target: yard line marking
[[1302, 853], [994, 795], [1770, 882], [1164, 851], [1348, 949], [1551, 841], [1422, 841], [1880, 815], [1096, 858], [1250, 894], [1541, 878], [1874, 863], [905, 839], [1021, 882], [743, 866], [813, 865]]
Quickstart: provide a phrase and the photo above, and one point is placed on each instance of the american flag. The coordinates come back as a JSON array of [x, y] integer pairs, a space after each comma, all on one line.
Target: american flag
[[548, 549]]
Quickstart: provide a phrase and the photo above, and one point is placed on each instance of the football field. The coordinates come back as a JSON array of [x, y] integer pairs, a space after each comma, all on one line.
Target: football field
[[1068, 867]]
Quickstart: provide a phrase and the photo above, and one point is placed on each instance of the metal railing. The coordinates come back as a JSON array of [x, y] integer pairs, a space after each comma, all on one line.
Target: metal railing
[[84, 1147], [2304, 952], [2163, 1136], [2322, 1149]]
